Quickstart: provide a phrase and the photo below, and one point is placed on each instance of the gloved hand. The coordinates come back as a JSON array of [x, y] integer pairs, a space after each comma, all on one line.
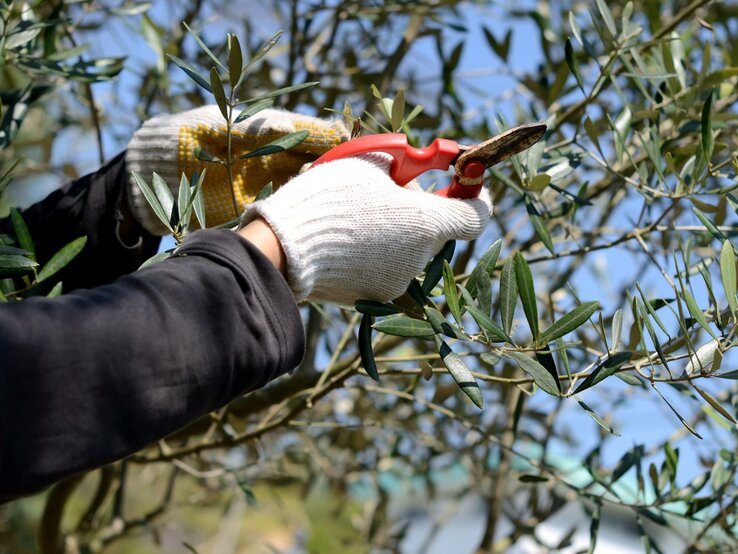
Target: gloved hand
[[349, 231], [166, 145]]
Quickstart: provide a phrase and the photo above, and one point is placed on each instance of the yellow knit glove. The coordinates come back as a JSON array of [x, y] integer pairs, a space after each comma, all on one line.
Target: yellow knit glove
[[166, 145]]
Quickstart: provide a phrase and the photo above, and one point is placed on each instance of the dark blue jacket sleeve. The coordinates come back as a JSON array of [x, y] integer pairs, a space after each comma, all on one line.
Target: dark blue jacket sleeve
[[94, 375]]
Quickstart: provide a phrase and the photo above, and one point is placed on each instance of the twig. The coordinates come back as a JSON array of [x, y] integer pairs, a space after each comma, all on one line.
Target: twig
[[50, 538]]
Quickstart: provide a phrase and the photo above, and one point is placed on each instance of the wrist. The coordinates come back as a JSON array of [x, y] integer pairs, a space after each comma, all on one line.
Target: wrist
[[260, 234]]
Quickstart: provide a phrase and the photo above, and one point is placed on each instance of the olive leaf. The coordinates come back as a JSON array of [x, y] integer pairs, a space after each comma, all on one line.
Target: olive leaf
[[485, 265], [13, 265], [370, 307], [591, 413], [450, 291], [574, 319], [191, 72], [219, 94], [536, 371], [365, 347], [204, 47], [696, 312], [265, 192], [508, 294], [279, 145], [253, 109], [493, 331], [461, 374], [708, 141], [571, 61], [21, 232], [279, 92], [435, 269], [604, 370], [235, 61], [728, 274], [59, 260], [524, 280], [153, 199], [403, 326]]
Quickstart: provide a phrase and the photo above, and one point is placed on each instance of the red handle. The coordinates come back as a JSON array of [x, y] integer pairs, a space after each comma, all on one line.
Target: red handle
[[408, 163], [472, 174]]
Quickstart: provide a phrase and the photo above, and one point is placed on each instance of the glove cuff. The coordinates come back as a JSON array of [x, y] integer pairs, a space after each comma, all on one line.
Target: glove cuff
[[284, 220]]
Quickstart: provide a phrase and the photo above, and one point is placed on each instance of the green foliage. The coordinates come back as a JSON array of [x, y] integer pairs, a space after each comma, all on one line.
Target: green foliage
[[21, 274], [599, 263]]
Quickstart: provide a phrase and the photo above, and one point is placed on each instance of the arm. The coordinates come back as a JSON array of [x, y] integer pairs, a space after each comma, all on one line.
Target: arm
[[95, 375], [107, 207], [92, 376]]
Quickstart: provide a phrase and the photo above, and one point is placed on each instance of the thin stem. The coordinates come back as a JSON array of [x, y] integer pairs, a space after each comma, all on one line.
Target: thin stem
[[94, 114], [229, 159], [96, 123], [340, 347]]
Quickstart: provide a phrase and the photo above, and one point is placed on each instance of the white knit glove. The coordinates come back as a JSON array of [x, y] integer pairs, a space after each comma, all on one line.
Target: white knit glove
[[349, 232]]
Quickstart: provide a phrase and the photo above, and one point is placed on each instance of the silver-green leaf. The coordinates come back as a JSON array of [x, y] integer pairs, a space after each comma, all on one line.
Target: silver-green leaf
[[403, 326], [708, 141], [696, 312], [728, 273], [536, 371], [365, 347], [571, 61], [265, 192], [461, 374], [253, 109], [59, 260], [508, 295], [183, 199], [153, 200], [524, 279], [21, 232], [279, 145], [604, 370], [164, 196], [574, 319], [218, 92], [191, 72], [449, 290], [12, 265], [204, 47], [591, 413], [435, 269], [493, 331], [486, 264], [235, 60], [280, 92]]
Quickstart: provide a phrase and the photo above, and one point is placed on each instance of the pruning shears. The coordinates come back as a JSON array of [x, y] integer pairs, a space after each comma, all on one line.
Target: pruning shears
[[469, 162]]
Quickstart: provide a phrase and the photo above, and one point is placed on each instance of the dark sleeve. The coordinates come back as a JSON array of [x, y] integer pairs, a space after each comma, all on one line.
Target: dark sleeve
[[92, 206], [95, 375]]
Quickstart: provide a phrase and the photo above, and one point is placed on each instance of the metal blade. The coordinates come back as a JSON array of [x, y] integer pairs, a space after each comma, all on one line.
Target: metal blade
[[501, 147]]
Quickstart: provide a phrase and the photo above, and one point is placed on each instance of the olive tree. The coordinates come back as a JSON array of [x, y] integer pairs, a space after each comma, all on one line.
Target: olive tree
[[579, 353]]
